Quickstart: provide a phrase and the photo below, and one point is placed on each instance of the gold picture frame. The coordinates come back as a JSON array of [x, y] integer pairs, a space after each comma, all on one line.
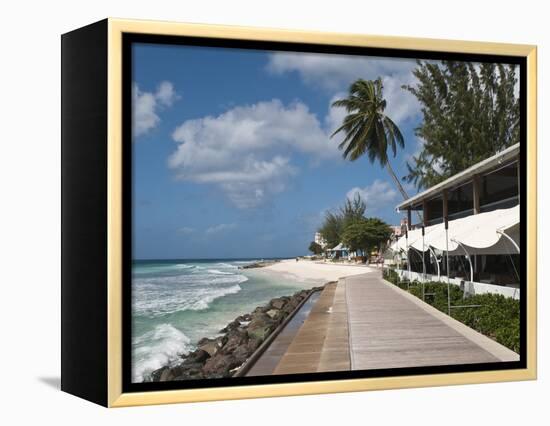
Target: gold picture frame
[[116, 28]]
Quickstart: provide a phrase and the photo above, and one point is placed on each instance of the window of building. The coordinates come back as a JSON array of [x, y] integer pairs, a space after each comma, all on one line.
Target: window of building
[[434, 210], [499, 189], [460, 200]]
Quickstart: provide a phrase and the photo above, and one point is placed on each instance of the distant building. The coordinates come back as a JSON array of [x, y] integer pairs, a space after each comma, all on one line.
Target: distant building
[[340, 251], [397, 231], [320, 240]]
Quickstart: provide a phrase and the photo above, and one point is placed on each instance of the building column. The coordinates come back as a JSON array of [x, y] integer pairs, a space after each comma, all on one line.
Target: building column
[[425, 212], [519, 181], [445, 217], [476, 193], [445, 204], [409, 218]]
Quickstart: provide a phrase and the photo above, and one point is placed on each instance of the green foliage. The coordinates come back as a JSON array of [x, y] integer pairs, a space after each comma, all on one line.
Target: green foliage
[[335, 222], [497, 317], [315, 248], [331, 229], [367, 129], [353, 210], [390, 275], [470, 112], [349, 226], [365, 234]]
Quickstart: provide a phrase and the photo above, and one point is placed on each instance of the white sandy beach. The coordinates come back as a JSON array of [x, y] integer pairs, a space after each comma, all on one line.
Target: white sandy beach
[[309, 270]]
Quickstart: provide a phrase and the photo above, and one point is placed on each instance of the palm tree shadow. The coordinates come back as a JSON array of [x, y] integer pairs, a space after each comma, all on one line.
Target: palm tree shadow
[[54, 382]]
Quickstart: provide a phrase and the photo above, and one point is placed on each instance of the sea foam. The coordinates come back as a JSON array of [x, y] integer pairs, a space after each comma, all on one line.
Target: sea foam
[[159, 347], [217, 272]]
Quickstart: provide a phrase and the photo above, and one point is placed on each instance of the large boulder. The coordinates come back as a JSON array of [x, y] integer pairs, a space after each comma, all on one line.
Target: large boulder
[[170, 373], [220, 365], [260, 326], [233, 325], [167, 375], [210, 346], [235, 339], [273, 313], [253, 344], [156, 375], [242, 353], [199, 355], [279, 303], [191, 375]]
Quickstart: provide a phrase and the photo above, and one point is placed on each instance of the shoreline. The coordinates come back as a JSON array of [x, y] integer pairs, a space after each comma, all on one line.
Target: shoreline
[[224, 354], [304, 270], [239, 342]]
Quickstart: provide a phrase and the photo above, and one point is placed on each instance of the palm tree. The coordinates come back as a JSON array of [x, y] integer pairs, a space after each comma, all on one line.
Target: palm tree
[[368, 130]]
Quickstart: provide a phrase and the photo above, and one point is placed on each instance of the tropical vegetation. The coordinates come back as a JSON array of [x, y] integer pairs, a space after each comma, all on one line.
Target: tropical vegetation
[[367, 129], [365, 234], [315, 248], [470, 112], [349, 226]]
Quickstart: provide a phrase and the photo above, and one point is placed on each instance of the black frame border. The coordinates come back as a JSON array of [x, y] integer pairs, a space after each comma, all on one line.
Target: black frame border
[[128, 39]]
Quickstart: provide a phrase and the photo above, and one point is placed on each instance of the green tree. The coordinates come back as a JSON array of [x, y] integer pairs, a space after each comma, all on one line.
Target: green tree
[[352, 210], [331, 229], [470, 112], [315, 248], [335, 222], [368, 130], [366, 234]]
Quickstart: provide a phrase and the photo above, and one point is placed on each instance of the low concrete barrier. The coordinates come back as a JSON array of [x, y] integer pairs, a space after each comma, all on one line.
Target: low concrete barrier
[[469, 287]]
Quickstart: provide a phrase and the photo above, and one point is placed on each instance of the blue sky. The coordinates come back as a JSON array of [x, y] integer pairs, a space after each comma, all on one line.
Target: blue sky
[[232, 149]]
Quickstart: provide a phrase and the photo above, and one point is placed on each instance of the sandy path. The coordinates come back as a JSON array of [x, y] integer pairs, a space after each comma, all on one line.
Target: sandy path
[[305, 269]]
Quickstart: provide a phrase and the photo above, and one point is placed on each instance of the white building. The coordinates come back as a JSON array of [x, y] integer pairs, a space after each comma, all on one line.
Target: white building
[[481, 207], [320, 240]]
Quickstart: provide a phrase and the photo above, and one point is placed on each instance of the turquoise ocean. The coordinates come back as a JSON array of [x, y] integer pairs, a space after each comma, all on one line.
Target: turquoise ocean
[[177, 302]]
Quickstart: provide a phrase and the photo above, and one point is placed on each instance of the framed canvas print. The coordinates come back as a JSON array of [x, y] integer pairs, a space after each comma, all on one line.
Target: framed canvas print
[[250, 212]]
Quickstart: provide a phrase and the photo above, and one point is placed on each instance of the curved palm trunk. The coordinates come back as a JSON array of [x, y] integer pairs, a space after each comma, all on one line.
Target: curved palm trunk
[[400, 187], [396, 181]]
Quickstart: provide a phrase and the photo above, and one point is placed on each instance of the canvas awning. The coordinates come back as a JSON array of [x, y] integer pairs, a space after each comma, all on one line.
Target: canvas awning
[[339, 247], [401, 243], [475, 234]]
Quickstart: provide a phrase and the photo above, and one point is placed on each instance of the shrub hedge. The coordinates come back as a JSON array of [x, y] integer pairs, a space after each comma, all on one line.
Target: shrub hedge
[[497, 317]]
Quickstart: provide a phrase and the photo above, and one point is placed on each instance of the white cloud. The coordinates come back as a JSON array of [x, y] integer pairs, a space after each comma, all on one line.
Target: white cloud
[[166, 94], [334, 73], [222, 227], [376, 195], [146, 106], [245, 152], [186, 230], [335, 115]]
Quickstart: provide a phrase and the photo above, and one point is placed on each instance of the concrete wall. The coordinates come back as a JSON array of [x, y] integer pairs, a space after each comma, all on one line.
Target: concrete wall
[[471, 287]]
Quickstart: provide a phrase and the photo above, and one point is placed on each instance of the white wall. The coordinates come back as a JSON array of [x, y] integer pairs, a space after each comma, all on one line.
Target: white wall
[[30, 199], [476, 288]]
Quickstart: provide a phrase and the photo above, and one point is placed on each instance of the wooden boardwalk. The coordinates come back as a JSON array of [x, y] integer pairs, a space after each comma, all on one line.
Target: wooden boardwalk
[[363, 323], [321, 344], [269, 360], [389, 330]]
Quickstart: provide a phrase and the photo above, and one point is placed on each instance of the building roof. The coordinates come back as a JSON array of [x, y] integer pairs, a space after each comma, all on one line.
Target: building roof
[[339, 247], [481, 167]]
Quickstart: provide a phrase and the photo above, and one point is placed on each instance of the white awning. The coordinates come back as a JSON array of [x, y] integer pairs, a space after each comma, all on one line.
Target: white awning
[[477, 234], [339, 247], [406, 240]]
